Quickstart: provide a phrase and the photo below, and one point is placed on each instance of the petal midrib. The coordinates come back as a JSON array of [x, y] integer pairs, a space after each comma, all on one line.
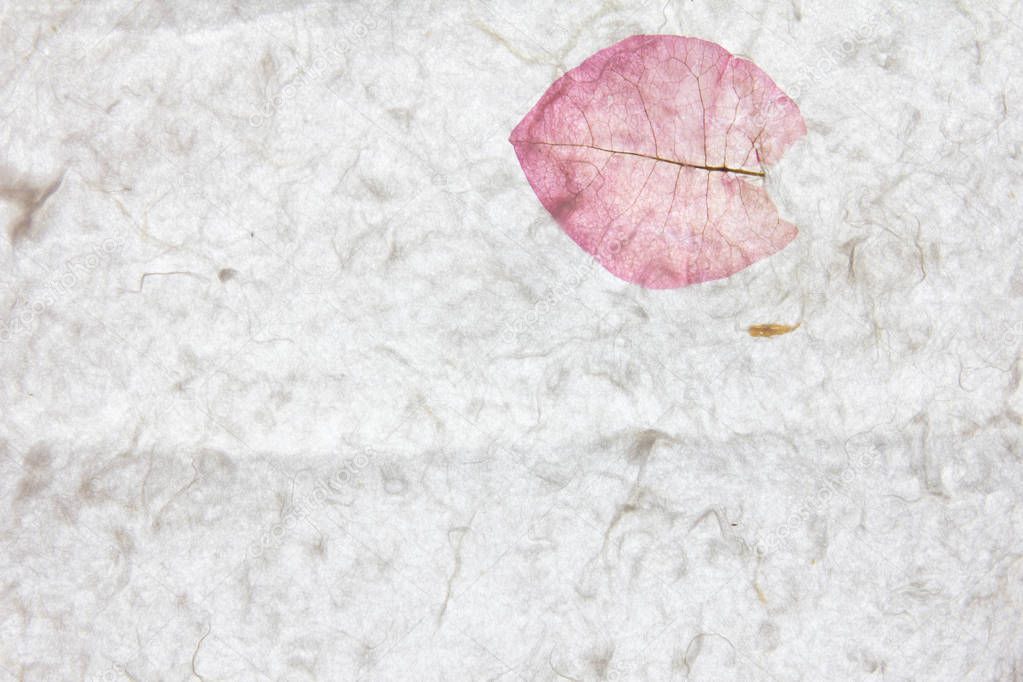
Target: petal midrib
[[717, 169]]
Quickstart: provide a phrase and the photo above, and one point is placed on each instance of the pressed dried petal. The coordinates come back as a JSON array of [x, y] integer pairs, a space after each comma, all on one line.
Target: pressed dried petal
[[651, 155]]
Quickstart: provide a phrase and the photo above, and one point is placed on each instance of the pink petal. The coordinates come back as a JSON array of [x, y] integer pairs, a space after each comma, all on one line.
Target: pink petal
[[650, 155]]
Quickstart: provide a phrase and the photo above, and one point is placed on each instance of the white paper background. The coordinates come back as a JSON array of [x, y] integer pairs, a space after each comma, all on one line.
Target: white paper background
[[300, 381]]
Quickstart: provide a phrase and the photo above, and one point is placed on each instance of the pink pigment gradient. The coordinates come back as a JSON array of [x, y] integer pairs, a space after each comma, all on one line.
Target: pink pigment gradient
[[637, 151]]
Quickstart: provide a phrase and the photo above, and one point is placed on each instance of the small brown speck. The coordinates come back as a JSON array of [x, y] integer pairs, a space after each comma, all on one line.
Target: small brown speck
[[763, 330]]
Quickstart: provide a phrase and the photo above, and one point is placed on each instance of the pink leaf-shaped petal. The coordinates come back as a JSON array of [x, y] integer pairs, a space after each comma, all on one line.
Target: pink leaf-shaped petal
[[651, 155]]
